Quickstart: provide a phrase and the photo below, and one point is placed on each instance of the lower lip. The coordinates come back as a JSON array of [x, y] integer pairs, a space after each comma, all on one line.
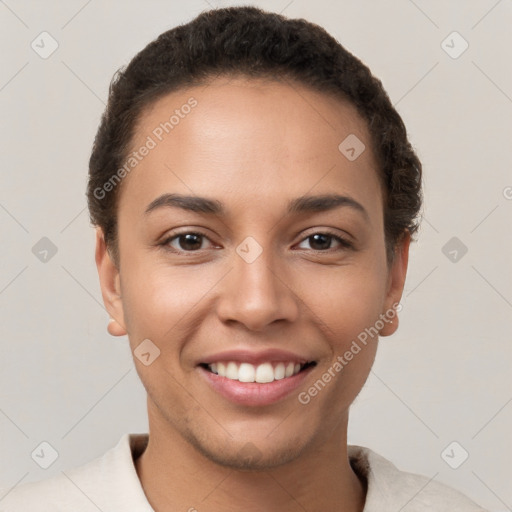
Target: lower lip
[[254, 393]]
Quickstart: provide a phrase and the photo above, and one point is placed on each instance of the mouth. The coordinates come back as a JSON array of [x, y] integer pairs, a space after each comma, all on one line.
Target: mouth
[[262, 373], [258, 383]]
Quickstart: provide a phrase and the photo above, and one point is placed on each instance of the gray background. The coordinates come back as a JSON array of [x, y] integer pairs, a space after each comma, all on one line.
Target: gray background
[[443, 377]]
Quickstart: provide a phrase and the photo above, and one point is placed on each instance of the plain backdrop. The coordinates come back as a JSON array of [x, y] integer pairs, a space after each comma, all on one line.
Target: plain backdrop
[[444, 377]]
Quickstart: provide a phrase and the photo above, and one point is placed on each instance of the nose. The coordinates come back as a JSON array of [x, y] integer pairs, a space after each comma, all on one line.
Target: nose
[[257, 294]]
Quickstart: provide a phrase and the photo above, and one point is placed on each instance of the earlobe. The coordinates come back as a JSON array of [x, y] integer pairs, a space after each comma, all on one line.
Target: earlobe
[[115, 328], [110, 286], [397, 275]]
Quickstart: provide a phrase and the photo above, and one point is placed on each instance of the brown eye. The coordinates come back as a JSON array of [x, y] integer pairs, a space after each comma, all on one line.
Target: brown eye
[[320, 241], [185, 242], [323, 241]]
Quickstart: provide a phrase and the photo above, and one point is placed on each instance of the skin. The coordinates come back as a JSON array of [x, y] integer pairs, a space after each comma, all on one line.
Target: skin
[[253, 145]]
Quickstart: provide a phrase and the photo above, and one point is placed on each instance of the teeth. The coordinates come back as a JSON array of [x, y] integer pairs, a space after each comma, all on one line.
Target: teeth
[[231, 371], [263, 373], [246, 373], [279, 371]]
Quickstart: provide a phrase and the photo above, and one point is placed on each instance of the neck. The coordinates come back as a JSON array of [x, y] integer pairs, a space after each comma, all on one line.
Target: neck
[[175, 476]]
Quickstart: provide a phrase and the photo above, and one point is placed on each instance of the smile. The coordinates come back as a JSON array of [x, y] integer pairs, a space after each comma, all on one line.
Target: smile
[[255, 385], [262, 373]]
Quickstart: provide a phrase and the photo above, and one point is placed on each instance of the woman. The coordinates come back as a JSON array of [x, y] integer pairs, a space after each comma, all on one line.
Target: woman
[[254, 195]]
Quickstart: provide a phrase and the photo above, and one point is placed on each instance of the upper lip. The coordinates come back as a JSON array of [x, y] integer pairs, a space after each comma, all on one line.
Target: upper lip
[[254, 357]]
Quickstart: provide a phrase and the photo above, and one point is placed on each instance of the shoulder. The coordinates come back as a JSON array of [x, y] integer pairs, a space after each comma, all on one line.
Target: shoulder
[[41, 496], [390, 489], [108, 482]]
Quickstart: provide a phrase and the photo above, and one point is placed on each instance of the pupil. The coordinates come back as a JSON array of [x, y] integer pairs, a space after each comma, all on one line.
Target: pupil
[[322, 240], [190, 243]]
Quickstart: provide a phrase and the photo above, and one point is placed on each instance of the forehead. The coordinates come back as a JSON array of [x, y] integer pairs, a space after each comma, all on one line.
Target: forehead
[[260, 107], [259, 137]]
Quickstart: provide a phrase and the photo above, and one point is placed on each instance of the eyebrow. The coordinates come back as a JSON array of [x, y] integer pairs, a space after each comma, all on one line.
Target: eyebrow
[[303, 204]]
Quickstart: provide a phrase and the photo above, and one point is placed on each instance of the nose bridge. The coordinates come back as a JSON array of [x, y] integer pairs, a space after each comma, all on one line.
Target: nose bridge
[[255, 294]]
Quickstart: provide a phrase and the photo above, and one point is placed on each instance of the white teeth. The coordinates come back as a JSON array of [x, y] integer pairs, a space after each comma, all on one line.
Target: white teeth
[[279, 371], [265, 373], [232, 371], [246, 372], [221, 369]]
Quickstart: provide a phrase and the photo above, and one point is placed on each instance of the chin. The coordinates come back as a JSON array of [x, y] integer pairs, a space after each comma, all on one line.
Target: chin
[[246, 455]]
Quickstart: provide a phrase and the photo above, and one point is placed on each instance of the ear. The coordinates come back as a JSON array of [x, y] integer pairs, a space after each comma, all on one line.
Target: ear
[[396, 281], [110, 286]]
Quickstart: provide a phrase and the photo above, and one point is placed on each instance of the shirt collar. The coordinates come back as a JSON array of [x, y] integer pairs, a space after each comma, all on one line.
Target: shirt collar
[[378, 473]]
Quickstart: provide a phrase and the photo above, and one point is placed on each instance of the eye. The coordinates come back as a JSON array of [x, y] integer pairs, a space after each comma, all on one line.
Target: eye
[[192, 241], [322, 241], [185, 242]]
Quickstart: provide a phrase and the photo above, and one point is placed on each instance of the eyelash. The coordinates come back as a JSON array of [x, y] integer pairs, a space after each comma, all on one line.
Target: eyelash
[[345, 244]]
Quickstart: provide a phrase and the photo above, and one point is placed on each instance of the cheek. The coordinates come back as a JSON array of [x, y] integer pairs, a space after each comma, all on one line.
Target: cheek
[[347, 305], [159, 300], [346, 299]]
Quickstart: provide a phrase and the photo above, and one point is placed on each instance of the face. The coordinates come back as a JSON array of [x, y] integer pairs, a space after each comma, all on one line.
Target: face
[[252, 257]]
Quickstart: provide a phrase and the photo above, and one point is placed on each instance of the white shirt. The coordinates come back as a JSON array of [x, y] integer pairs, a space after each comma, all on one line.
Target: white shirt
[[110, 483]]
